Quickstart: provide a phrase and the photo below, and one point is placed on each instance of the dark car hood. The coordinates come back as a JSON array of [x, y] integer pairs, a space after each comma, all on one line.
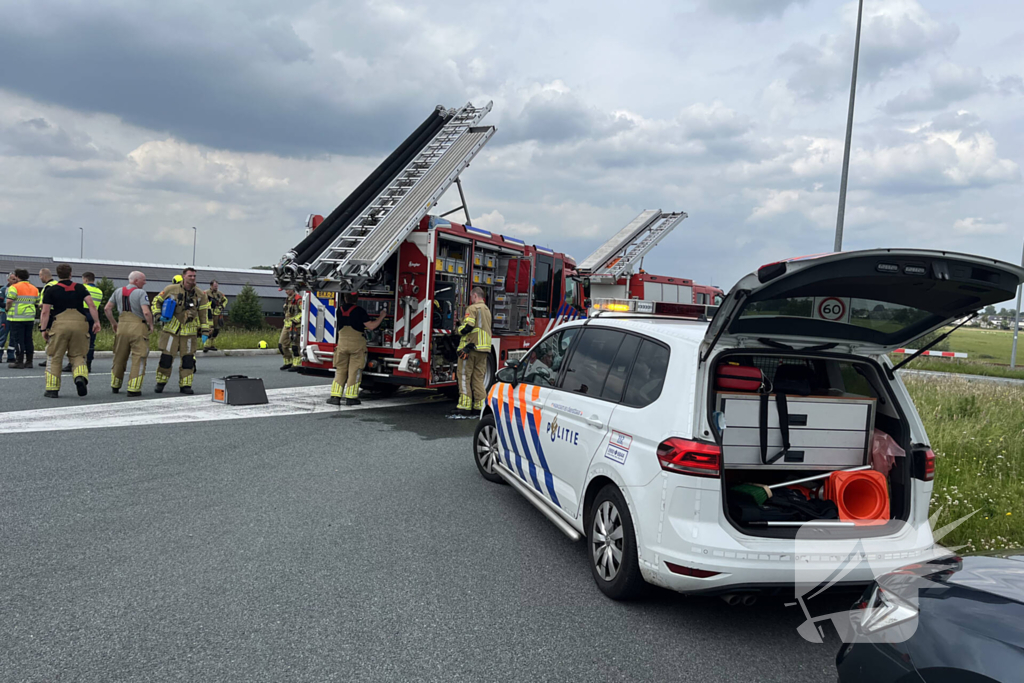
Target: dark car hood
[[1000, 574]]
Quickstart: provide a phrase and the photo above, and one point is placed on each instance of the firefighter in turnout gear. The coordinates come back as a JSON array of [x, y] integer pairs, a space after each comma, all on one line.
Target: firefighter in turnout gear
[[89, 279], [288, 343], [63, 321], [474, 350], [132, 328], [217, 303], [350, 350], [46, 278], [184, 311]]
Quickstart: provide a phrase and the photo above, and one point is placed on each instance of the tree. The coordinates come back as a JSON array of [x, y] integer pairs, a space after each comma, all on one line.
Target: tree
[[106, 285], [990, 310], [247, 311]]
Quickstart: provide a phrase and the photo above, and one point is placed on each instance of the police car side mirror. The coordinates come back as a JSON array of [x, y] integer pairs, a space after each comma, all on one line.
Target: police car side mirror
[[507, 375]]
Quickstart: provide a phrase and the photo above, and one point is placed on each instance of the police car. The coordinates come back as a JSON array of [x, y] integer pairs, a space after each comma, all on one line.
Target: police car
[[624, 429]]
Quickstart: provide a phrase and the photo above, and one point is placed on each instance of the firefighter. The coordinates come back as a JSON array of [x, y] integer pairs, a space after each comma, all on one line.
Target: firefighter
[[65, 330], [88, 278], [132, 328], [350, 350], [288, 344], [474, 350], [21, 300], [187, 315], [217, 303], [46, 278]]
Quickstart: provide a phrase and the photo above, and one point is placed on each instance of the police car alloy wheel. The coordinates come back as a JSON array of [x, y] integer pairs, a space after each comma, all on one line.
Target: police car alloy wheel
[[611, 546], [485, 449]]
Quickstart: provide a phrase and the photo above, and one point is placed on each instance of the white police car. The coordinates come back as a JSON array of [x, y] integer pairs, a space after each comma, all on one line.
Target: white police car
[[621, 429]]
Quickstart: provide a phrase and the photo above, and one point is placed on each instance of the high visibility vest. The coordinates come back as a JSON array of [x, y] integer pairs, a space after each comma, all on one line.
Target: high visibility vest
[[25, 296], [476, 328], [97, 296], [41, 290]]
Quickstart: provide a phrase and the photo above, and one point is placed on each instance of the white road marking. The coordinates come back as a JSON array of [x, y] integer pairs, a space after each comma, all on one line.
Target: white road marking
[[138, 412]]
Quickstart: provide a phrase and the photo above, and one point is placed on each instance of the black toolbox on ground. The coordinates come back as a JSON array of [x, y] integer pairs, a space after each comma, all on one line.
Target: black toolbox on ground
[[239, 390]]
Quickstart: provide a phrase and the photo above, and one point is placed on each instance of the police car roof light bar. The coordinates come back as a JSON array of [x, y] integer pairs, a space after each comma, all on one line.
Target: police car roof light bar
[[660, 309]]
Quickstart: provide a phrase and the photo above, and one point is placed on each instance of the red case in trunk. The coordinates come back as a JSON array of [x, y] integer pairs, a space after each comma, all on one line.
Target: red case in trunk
[[737, 378]]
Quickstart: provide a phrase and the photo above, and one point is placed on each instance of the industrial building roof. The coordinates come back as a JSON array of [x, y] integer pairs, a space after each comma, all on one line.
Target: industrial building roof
[[158, 275]]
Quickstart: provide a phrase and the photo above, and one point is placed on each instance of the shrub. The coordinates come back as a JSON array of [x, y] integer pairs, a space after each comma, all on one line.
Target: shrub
[[106, 285], [246, 311]]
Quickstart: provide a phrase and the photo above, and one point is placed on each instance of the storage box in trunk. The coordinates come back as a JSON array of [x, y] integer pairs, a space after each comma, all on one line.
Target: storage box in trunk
[[825, 432]]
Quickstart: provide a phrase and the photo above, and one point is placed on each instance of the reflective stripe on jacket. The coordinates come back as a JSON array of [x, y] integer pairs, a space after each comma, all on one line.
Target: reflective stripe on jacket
[[476, 328], [25, 295], [191, 315]]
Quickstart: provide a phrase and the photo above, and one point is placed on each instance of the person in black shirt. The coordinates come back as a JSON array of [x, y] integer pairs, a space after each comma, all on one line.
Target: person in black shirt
[[350, 350], [65, 330]]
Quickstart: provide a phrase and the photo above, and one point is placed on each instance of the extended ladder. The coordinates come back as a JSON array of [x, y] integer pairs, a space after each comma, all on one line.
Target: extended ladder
[[617, 256], [363, 246]]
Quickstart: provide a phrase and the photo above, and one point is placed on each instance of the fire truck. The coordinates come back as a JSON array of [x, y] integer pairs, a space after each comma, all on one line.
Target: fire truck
[[419, 269]]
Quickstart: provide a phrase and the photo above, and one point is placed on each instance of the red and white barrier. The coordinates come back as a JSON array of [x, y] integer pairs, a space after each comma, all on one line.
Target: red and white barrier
[[943, 354]]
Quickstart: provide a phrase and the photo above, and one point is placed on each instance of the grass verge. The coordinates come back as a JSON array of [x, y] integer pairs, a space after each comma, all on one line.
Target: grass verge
[[960, 366], [977, 432]]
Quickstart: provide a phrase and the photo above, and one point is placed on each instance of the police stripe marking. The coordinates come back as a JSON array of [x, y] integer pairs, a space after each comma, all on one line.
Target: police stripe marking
[[520, 422], [507, 416], [549, 481], [493, 400]]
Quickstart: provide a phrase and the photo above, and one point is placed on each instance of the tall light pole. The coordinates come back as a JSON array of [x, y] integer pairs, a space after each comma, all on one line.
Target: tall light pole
[[81, 244], [849, 135], [193, 246], [1016, 322]]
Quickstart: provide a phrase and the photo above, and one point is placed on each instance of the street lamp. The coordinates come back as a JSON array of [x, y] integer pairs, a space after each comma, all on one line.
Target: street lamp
[[849, 136], [1016, 322], [81, 244], [193, 246]]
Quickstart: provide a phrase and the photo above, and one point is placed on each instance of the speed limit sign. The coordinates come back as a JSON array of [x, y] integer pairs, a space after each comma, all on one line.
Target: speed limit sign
[[834, 309]]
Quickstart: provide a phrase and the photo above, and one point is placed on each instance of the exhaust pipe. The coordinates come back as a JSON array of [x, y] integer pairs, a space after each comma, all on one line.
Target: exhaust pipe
[[731, 599], [749, 599]]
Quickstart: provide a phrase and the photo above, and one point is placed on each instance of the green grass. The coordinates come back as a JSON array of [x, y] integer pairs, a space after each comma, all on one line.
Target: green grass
[[992, 346], [228, 339], [977, 432]]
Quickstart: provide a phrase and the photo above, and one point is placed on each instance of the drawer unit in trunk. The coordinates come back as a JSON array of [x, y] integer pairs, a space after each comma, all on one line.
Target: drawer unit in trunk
[[825, 432]]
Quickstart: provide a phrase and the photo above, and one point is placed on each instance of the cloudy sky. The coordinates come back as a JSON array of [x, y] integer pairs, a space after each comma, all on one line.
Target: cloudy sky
[[138, 121]]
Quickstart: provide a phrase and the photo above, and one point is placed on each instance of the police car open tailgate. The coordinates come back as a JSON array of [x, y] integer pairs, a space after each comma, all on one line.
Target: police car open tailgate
[[878, 298]]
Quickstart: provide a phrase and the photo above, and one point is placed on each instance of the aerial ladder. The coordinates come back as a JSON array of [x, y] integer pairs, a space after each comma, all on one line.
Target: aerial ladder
[[349, 247], [618, 256]]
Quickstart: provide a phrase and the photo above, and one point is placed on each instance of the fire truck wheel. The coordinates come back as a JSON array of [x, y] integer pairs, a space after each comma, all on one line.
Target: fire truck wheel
[[485, 449], [492, 369]]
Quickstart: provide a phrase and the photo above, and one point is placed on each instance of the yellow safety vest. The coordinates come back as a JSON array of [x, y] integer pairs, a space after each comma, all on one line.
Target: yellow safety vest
[[97, 297]]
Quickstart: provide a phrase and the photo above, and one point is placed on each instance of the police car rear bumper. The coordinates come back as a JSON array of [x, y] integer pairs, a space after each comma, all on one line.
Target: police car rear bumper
[[687, 545]]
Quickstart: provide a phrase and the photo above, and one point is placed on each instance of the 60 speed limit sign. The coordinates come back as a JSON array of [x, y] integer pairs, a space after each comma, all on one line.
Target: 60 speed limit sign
[[834, 309]]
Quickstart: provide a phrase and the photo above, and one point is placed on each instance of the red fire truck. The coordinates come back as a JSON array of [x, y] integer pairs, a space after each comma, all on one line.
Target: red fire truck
[[643, 285], [419, 269]]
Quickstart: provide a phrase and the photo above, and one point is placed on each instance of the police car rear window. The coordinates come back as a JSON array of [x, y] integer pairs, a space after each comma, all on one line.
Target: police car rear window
[[648, 375], [879, 316]]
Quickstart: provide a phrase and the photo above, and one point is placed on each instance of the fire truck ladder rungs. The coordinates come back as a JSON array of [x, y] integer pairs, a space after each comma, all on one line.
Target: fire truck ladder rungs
[[366, 243], [617, 256]]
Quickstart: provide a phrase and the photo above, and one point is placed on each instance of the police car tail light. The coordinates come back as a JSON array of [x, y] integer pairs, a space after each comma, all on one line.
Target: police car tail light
[[690, 457]]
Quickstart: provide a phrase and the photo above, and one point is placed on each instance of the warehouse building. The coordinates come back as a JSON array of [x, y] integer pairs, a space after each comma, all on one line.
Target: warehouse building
[[158, 276]]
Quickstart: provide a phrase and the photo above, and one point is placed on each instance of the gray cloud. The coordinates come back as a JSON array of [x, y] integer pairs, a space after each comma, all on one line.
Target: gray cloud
[[894, 34], [949, 83], [38, 137], [751, 10], [218, 76]]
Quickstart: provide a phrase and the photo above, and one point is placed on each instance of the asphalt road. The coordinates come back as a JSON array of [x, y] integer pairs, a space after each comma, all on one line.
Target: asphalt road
[[358, 546], [23, 389]]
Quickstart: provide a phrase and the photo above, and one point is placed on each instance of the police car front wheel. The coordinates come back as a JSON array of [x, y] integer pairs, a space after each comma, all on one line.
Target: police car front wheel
[[611, 546], [485, 449]]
